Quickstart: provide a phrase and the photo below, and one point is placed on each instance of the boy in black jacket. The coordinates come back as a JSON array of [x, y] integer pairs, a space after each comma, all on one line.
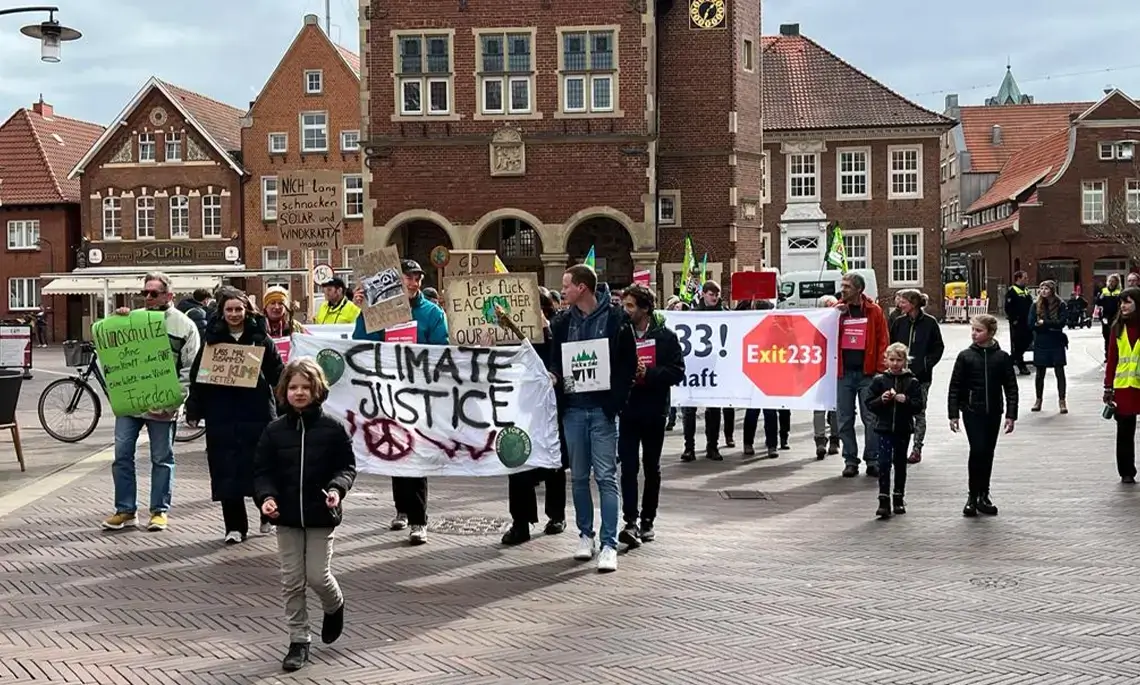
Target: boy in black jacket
[[895, 398]]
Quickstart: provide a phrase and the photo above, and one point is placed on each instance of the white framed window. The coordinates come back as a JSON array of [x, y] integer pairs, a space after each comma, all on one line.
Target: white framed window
[[146, 147], [349, 141], [1122, 151], [173, 147], [314, 132], [179, 216], [857, 246], [905, 182], [1125, 151], [24, 234], [351, 254], [588, 66], [278, 143], [765, 177], [1132, 201], [314, 81], [353, 196], [211, 216], [906, 257], [23, 294], [765, 248], [748, 55], [803, 176], [1107, 151], [1092, 202], [506, 73], [666, 210], [144, 217], [953, 166], [269, 198], [273, 258], [853, 173], [112, 218], [424, 74]]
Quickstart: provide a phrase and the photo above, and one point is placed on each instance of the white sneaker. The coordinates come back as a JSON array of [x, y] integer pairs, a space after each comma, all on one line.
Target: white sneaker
[[607, 560], [418, 535], [266, 528], [233, 537], [586, 548]]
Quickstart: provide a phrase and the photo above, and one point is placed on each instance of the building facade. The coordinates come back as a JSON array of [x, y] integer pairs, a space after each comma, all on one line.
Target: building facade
[[843, 150], [1065, 207], [39, 211], [543, 130], [306, 117]]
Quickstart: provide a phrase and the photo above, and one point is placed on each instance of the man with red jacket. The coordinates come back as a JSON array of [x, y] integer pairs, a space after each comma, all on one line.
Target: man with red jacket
[[863, 340]]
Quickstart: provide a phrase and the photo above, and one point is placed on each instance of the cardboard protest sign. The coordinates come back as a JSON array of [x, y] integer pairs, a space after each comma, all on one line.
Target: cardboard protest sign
[[137, 362], [468, 262], [385, 300], [469, 303], [586, 365], [309, 211], [230, 364], [435, 410]]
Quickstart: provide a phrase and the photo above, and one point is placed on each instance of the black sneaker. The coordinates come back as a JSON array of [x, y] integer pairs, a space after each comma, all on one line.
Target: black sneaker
[[773, 452], [784, 443], [1128, 480], [297, 657], [516, 535], [554, 527], [820, 448], [729, 443], [647, 534], [671, 425], [899, 503], [630, 535], [749, 451], [832, 447], [884, 510], [333, 625], [850, 471], [872, 470], [713, 454], [971, 508], [985, 506], [689, 454]]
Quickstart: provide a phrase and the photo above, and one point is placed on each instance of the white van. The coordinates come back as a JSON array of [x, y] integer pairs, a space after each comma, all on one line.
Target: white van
[[802, 289]]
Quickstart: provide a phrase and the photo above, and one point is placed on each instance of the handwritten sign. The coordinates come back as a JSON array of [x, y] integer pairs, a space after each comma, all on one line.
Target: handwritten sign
[[309, 211], [230, 364], [138, 364], [468, 262], [469, 303], [15, 347], [385, 299], [586, 366]]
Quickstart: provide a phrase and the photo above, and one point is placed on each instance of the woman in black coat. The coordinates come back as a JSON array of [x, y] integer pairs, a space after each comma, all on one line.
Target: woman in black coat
[[1049, 343], [235, 416]]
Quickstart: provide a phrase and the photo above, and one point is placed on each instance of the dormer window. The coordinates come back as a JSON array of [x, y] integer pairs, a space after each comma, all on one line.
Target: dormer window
[[1117, 150]]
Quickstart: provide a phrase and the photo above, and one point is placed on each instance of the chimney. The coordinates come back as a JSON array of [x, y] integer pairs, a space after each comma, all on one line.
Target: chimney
[[789, 29], [42, 108], [995, 134], [952, 101], [312, 20]]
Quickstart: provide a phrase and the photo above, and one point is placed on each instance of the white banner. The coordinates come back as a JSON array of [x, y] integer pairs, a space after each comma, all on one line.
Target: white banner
[[775, 359], [434, 410]]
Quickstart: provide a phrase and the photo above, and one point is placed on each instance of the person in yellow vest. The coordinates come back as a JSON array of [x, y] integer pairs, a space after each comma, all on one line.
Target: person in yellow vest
[[1019, 312], [336, 309], [1105, 306], [1122, 381]]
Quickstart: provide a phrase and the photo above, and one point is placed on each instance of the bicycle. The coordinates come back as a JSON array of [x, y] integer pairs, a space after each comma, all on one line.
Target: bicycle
[[76, 397]]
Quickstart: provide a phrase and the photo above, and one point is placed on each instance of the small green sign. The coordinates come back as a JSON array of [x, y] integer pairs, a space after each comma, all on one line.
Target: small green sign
[[332, 363], [513, 447], [138, 363]]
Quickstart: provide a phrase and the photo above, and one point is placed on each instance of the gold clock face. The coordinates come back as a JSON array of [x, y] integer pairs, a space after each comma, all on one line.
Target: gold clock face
[[706, 14]]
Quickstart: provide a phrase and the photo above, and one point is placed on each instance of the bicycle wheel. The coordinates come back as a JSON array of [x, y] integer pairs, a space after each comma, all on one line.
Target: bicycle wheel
[[187, 433], [69, 410]]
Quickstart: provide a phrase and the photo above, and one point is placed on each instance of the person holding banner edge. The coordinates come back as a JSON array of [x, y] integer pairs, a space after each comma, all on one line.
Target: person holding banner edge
[[410, 495], [862, 343], [709, 301]]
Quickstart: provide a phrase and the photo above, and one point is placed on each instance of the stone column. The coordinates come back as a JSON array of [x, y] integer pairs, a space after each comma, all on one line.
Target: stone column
[[553, 266]]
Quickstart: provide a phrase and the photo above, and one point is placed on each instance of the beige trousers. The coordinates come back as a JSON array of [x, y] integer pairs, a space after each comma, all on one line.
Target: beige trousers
[[306, 554]]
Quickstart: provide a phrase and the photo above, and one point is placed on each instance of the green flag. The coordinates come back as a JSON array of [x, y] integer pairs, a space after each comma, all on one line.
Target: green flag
[[704, 268], [685, 289], [836, 254], [590, 259]]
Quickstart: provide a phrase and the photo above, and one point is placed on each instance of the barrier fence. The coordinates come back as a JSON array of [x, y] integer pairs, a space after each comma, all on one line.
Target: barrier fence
[[962, 309]]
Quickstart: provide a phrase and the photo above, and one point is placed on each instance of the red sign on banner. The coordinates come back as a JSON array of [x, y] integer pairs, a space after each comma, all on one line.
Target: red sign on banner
[[283, 347], [402, 333], [785, 355]]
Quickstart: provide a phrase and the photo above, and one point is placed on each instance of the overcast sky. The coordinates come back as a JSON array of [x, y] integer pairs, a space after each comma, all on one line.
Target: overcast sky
[[1060, 50]]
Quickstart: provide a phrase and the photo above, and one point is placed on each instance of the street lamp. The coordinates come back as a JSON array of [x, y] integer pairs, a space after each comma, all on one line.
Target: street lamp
[[50, 33]]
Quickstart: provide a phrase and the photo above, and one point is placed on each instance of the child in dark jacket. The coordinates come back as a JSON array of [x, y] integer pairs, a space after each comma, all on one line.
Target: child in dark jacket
[[303, 468], [895, 398]]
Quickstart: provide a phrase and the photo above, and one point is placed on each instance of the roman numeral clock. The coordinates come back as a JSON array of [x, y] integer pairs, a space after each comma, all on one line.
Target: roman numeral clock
[[707, 14]]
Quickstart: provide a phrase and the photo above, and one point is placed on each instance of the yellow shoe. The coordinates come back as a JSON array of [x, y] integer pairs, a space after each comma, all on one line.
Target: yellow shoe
[[157, 521], [119, 520]]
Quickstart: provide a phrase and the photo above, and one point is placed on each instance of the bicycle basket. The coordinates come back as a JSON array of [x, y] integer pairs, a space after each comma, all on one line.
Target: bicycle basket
[[76, 354]]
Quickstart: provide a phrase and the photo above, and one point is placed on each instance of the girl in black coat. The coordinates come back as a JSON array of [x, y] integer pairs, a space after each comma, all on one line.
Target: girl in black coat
[[896, 399], [234, 416], [1049, 343]]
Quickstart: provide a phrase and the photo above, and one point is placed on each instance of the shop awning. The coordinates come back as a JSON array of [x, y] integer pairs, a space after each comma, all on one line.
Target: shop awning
[[124, 285]]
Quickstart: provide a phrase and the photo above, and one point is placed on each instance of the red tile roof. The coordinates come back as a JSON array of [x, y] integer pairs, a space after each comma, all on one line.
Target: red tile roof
[[351, 57], [807, 87], [1027, 167], [221, 121], [1020, 125], [972, 234], [36, 154]]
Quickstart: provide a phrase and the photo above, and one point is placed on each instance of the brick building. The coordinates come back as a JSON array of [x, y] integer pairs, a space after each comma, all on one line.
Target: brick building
[[1065, 207], [161, 188], [39, 210], [542, 129], [307, 116], [842, 148]]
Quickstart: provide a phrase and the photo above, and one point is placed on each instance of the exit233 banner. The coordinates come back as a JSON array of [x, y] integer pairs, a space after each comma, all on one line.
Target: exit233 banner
[[781, 359]]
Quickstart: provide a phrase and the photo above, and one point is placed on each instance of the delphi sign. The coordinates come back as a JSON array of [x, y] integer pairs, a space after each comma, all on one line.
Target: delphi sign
[[309, 212], [783, 359]]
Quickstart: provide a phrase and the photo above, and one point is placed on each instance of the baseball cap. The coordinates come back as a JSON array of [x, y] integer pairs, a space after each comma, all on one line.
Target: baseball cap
[[335, 282], [411, 266]]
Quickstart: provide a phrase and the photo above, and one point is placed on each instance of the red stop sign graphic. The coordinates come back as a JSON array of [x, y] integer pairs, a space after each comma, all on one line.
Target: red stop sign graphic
[[784, 355]]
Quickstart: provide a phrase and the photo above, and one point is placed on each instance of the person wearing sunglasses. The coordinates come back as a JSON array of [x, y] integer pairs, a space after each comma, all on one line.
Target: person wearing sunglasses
[[160, 425]]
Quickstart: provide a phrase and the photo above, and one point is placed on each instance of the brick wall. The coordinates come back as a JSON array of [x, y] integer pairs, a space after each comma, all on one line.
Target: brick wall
[[59, 228]]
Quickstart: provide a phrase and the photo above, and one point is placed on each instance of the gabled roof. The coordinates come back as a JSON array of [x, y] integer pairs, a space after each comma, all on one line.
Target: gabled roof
[[218, 123], [350, 59], [1117, 97], [1036, 162], [1020, 126], [37, 150], [807, 87]]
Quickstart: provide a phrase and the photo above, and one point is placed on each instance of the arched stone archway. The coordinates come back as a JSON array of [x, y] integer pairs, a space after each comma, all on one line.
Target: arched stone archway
[[613, 249], [415, 239], [640, 238], [517, 241], [380, 236]]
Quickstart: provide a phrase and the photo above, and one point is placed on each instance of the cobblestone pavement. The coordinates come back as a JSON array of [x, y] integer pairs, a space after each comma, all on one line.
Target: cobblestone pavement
[[799, 586]]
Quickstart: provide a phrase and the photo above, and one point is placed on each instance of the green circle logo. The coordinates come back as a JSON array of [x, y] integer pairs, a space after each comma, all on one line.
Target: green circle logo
[[332, 363], [513, 446]]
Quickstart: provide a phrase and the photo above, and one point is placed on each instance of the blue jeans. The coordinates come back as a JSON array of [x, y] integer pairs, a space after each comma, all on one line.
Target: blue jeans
[[852, 385], [161, 434], [591, 438]]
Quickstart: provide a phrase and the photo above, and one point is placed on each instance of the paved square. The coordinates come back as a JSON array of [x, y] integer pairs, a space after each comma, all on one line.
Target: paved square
[[802, 587]]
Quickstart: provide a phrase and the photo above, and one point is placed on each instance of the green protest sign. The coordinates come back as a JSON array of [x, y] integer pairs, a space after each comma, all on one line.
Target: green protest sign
[[138, 364]]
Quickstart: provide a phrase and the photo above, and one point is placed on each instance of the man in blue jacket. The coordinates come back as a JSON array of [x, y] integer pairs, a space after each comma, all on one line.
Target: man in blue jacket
[[410, 494]]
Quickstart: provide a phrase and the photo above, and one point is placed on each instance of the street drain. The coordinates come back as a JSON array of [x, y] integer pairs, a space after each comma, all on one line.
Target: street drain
[[993, 582], [743, 494], [467, 525]]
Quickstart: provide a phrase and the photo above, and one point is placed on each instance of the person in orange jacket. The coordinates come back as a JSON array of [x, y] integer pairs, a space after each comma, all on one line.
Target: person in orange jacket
[[863, 339]]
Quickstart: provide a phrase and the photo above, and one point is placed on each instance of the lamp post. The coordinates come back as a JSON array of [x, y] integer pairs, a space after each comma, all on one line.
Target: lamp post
[[50, 33]]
